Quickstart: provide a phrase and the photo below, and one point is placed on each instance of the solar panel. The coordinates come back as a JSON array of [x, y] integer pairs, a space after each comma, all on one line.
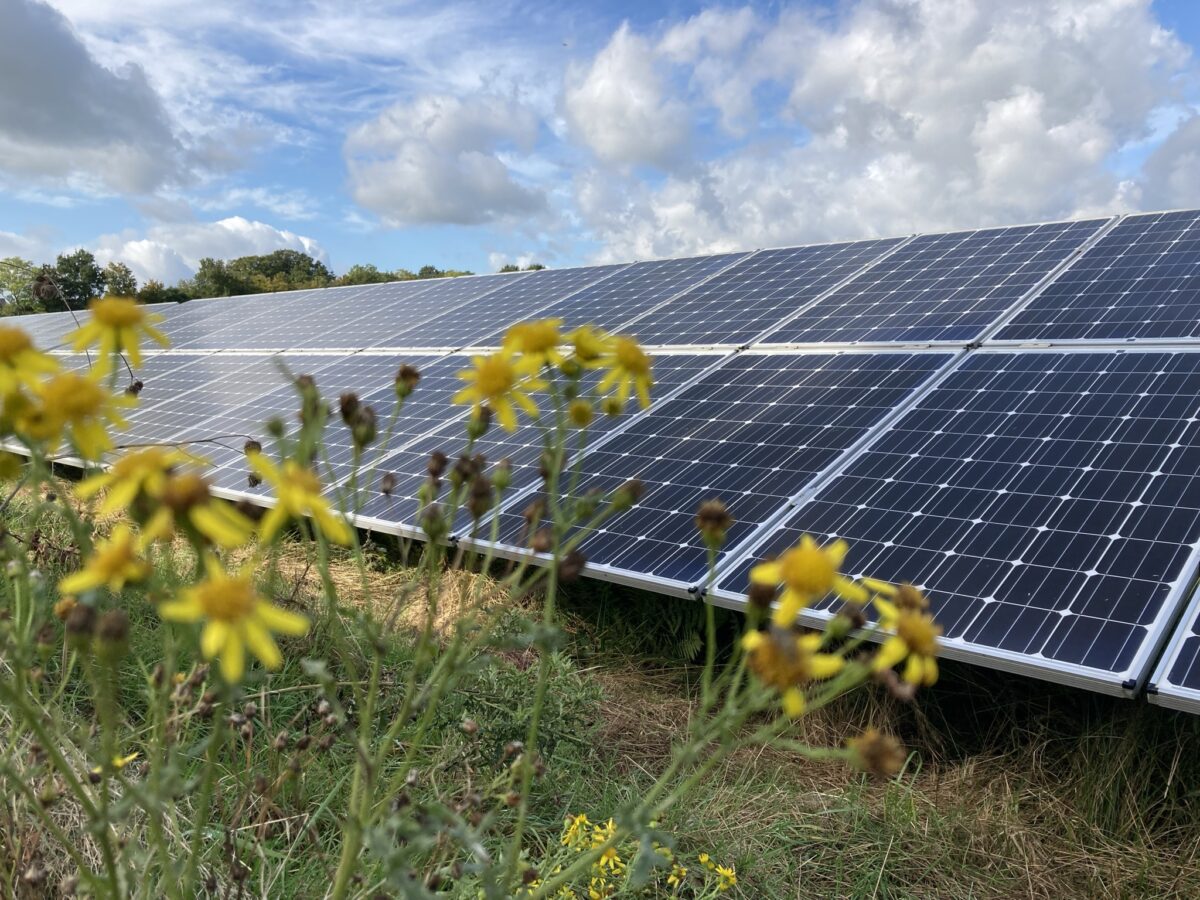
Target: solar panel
[[1141, 280], [1176, 681], [181, 394], [371, 377], [522, 447], [737, 305], [518, 297], [1047, 501], [630, 292], [939, 287], [752, 433]]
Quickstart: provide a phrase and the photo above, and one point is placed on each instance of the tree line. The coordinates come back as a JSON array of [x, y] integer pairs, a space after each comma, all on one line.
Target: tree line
[[76, 278]]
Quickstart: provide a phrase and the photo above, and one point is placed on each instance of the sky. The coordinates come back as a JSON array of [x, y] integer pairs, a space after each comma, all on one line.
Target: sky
[[473, 134]]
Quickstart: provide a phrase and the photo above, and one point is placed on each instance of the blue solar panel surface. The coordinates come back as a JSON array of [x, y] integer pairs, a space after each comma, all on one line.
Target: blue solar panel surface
[[753, 296], [939, 287], [1048, 502], [751, 433], [1141, 280]]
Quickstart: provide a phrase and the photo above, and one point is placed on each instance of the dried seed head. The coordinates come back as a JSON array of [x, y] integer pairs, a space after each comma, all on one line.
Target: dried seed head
[[387, 483], [628, 494], [542, 541], [363, 426], [112, 634], [80, 625], [251, 446], [911, 599], [545, 466], [433, 522], [534, 511], [280, 742], [877, 753], [251, 511], [571, 567], [470, 727], [324, 707], [348, 406], [480, 500], [63, 608], [253, 479], [714, 521], [437, 464], [406, 381], [135, 387], [185, 492]]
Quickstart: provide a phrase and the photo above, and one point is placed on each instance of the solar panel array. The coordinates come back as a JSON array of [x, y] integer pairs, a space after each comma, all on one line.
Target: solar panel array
[[1007, 417]]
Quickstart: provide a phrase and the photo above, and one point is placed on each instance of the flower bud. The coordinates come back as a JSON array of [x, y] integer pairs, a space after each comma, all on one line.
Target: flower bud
[[387, 483], [406, 381], [571, 567], [348, 405], [714, 521], [112, 635]]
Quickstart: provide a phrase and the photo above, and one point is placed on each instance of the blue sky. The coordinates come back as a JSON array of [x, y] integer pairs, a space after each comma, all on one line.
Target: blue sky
[[473, 134]]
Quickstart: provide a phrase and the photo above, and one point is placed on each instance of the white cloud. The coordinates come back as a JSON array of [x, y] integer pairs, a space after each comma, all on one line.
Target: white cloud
[[66, 118], [619, 106], [897, 116], [287, 203], [171, 251], [437, 160], [1172, 173]]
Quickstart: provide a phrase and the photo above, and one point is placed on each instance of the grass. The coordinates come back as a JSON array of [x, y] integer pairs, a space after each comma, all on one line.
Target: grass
[[1014, 788]]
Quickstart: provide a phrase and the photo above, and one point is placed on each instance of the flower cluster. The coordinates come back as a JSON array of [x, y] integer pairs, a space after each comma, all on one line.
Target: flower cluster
[[500, 383]]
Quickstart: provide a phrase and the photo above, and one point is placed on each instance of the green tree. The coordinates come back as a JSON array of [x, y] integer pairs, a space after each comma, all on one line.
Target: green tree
[[16, 287], [119, 280], [281, 270], [78, 277], [157, 292], [366, 274], [214, 279], [534, 267], [430, 272], [509, 267]]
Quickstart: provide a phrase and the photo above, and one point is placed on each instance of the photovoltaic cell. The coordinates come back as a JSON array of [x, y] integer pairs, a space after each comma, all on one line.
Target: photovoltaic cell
[[1141, 280], [739, 304], [517, 298], [522, 447], [939, 287], [751, 433], [1047, 502], [630, 292]]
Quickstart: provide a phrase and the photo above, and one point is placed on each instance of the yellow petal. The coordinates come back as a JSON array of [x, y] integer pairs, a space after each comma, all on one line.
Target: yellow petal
[[752, 640], [282, 620], [83, 580], [793, 702], [186, 609], [878, 587], [233, 658], [272, 523], [767, 573], [221, 525], [261, 644], [826, 665], [849, 590], [893, 651]]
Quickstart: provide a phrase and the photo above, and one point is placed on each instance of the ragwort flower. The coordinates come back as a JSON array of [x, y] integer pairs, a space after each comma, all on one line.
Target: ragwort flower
[[914, 638], [113, 564], [116, 326], [21, 364], [236, 617], [807, 572], [186, 503], [536, 343], [788, 662], [298, 494], [590, 346], [628, 371], [134, 474], [496, 383], [72, 405]]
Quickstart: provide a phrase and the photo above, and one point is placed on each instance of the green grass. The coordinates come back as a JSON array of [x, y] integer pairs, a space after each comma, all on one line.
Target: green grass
[[1014, 787]]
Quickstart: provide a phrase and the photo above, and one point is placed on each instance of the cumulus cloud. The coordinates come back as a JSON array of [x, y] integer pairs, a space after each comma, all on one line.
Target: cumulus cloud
[[171, 251], [64, 116], [438, 160], [899, 116], [621, 108], [1172, 173]]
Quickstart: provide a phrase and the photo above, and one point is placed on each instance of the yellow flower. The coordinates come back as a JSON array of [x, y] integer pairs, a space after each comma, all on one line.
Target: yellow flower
[[807, 573], [536, 342], [118, 763], [10, 465], [117, 325], [185, 502], [610, 861], [21, 364], [235, 617], [134, 474], [706, 861], [113, 564], [628, 370], [74, 405], [602, 833], [599, 888], [580, 412], [677, 876], [726, 877], [914, 639], [590, 346], [298, 492], [788, 662], [496, 382], [575, 831]]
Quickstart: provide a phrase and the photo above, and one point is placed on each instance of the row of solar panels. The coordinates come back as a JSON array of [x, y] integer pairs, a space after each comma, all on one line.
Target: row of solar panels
[[1136, 280], [1043, 497]]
